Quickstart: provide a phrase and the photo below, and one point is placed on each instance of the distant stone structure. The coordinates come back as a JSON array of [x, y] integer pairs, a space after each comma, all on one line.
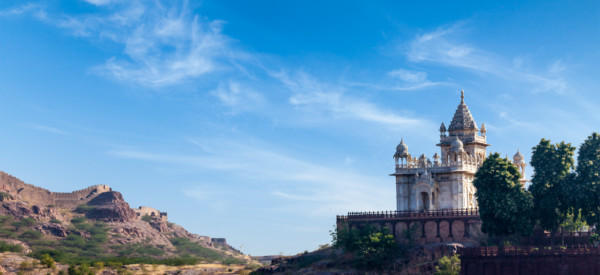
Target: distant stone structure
[[447, 182], [218, 240], [151, 212]]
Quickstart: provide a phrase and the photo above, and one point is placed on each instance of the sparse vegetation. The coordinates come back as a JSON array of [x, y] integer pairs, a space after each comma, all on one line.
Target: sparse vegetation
[[25, 222], [138, 250], [231, 260], [4, 247], [47, 261], [5, 196], [31, 235], [84, 209], [189, 248], [146, 218]]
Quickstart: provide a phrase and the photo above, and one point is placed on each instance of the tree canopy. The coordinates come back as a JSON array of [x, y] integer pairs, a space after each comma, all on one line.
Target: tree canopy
[[552, 183], [504, 205], [373, 247], [587, 195]]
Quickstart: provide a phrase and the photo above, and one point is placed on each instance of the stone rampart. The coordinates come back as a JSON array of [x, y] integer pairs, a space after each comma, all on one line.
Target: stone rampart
[[430, 226], [40, 196]]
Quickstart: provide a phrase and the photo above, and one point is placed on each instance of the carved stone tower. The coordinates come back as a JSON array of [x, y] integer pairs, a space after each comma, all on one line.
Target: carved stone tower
[[447, 182]]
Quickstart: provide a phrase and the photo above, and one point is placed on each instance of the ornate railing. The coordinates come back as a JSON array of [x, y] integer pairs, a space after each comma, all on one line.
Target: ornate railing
[[377, 215], [494, 251], [439, 167]]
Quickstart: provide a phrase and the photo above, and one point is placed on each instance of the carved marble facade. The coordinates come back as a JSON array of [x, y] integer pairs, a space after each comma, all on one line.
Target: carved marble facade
[[447, 181]]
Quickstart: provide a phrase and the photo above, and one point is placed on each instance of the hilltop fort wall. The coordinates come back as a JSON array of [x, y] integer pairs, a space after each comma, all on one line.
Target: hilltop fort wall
[[27, 192]]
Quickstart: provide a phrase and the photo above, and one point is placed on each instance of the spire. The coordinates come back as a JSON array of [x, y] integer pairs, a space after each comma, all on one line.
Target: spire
[[462, 120]]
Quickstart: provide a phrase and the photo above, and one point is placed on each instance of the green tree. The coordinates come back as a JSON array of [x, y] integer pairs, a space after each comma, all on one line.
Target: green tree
[[373, 247], [504, 205], [588, 179], [552, 183], [573, 223], [46, 260], [448, 266]]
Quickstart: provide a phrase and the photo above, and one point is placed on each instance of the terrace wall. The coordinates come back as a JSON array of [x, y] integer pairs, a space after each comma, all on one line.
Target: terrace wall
[[450, 225]]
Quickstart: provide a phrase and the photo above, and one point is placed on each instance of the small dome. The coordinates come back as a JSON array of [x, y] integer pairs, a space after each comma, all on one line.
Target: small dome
[[401, 150], [457, 145], [483, 130], [518, 158], [443, 128]]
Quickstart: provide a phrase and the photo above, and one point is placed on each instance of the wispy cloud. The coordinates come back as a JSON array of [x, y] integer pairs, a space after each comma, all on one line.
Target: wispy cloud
[[315, 96], [328, 190], [26, 8], [100, 2], [343, 106], [163, 43], [238, 98], [444, 47], [408, 76], [45, 128], [399, 80]]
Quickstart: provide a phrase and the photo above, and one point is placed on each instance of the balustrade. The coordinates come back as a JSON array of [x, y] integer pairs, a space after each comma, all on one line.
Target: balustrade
[[409, 213]]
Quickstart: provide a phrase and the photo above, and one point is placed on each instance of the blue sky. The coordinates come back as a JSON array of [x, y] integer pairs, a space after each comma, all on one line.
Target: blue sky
[[259, 121]]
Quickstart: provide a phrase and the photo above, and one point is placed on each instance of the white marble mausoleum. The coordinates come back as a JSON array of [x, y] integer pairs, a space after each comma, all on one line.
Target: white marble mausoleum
[[447, 181]]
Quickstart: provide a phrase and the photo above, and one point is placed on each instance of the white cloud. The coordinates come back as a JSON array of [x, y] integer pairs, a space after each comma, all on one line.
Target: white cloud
[[163, 43], [24, 9], [408, 76], [100, 2], [237, 97], [444, 47], [345, 107], [318, 97]]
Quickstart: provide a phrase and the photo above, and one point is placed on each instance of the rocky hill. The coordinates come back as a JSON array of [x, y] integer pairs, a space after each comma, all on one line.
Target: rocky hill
[[96, 225]]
